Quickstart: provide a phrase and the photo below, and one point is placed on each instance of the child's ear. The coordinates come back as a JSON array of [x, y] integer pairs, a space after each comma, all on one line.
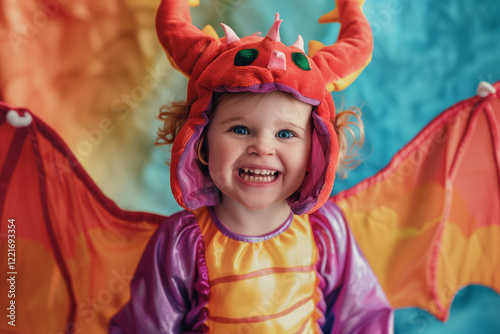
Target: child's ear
[[202, 151]]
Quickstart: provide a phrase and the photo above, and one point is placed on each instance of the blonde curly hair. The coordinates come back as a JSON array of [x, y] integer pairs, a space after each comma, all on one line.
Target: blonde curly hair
[[351, 136]]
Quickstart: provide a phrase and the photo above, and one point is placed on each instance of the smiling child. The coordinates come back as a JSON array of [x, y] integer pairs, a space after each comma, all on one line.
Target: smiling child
[[259, 248]]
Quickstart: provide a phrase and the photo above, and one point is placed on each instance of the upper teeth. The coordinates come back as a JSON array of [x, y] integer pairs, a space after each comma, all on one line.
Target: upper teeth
[[259, 171]]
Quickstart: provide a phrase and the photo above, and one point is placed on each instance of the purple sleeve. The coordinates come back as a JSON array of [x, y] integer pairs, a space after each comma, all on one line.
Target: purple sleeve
[[354, 301], [170, 286]]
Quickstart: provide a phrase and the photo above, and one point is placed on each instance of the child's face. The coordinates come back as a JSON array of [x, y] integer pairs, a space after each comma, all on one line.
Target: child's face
[[259, 147]]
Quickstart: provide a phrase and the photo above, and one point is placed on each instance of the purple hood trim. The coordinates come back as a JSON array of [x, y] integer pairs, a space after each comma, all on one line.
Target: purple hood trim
[[269, 87]]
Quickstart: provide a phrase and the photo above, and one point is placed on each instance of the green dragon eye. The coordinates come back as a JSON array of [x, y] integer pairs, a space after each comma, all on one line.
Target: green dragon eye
[[301, 61], [245, 57]]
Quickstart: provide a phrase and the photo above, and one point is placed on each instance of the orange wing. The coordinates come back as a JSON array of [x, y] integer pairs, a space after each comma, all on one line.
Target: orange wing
[[429, 223], [75, 251]]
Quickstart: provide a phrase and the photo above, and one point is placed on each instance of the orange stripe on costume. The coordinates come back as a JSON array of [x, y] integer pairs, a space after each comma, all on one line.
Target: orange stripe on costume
[[262, 317], [262, 272]]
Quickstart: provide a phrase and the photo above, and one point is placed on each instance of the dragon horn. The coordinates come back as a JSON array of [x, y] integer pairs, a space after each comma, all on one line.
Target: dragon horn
[[183, 42], [342, 62]]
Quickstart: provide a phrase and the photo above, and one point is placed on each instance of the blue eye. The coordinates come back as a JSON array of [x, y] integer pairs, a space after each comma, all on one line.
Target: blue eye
[[285, 134], [240, 130]]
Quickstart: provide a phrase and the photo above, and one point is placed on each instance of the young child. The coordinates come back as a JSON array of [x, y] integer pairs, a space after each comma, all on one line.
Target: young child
[[255, 149]]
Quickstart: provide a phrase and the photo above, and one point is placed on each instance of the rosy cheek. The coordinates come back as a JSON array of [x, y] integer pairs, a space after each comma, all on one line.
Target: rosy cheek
[[215, 175], [217, 169]]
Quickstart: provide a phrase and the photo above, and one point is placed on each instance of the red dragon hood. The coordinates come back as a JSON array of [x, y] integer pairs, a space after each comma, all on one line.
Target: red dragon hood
[[260, 65]]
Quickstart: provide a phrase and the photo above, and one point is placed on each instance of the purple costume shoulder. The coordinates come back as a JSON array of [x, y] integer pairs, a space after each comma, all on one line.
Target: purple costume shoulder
[[170, 288], [354, 301]]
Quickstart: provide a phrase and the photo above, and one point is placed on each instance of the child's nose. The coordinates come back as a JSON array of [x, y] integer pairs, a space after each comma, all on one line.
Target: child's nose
[[262, 145]]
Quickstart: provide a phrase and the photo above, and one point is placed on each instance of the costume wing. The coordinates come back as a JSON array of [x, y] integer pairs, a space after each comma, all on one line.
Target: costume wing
[[429, 223], [74, 251]]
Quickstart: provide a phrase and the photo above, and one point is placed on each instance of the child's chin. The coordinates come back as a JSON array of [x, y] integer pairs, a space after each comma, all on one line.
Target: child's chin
[[261, 205]]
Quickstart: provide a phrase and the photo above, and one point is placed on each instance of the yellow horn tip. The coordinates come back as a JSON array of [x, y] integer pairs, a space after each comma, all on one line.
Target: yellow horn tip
[[194, 3], [314, 47], [333, 16], [342, 83], [330, 17], [210, 31]]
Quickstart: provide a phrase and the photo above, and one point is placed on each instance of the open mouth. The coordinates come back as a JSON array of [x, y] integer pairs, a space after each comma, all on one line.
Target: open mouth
[[258, 175]]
